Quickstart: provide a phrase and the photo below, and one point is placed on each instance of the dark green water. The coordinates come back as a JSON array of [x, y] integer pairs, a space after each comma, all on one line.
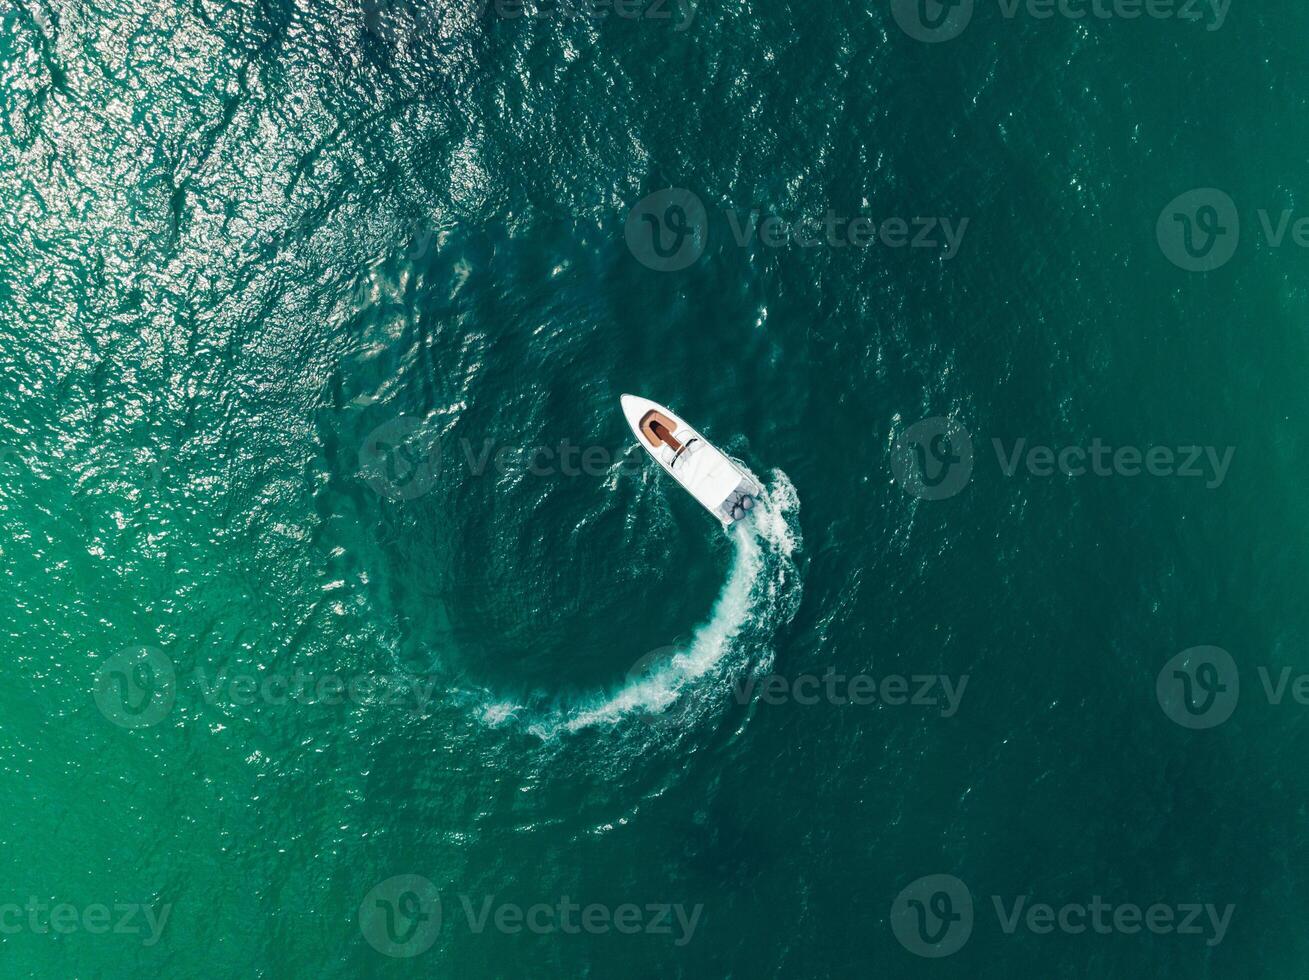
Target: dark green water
[[274, 277]]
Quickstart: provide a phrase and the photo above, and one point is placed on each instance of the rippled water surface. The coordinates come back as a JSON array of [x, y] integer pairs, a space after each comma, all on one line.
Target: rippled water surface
[[340, 609]]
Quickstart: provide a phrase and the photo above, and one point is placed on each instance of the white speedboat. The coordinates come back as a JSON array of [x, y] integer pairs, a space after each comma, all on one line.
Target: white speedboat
[[720, 485]]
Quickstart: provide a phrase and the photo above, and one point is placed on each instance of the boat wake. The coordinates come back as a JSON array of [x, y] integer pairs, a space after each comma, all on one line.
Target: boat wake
[[672, 686]]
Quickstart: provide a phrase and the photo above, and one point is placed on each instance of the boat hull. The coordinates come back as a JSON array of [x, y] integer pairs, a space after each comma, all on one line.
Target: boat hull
[[721, 487]]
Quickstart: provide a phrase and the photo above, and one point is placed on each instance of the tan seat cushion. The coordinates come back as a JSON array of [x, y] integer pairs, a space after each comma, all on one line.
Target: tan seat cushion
[[657, 428]]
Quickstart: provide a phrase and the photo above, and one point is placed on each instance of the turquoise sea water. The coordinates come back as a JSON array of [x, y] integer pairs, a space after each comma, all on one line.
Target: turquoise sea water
[[321, 656]]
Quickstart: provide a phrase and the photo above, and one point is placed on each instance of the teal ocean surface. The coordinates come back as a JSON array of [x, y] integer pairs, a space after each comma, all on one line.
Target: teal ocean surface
[[347, 631]]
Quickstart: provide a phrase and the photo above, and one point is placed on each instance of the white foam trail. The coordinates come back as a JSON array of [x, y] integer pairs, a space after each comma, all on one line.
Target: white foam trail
[[761, 592]]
